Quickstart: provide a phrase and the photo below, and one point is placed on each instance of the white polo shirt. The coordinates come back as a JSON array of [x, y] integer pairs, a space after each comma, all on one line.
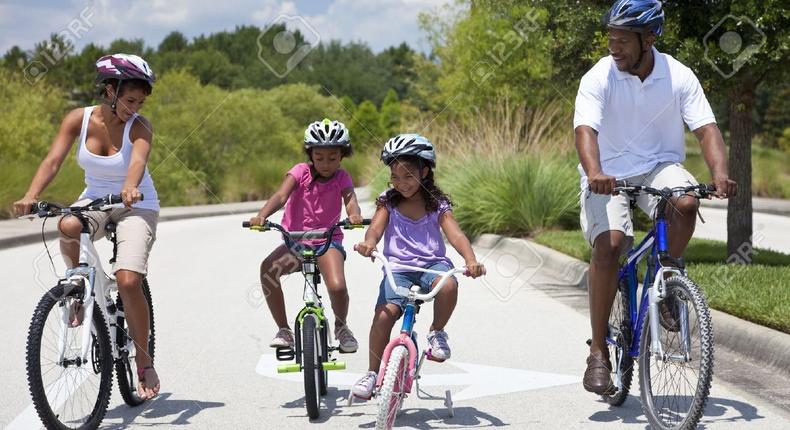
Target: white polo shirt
[[640, 124]]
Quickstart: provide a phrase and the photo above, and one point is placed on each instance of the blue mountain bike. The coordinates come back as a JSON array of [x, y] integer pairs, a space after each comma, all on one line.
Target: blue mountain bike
[[668, 330]]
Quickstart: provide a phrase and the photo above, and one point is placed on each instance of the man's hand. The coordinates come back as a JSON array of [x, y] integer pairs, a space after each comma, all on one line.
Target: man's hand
[[725, 187], [601, 183]]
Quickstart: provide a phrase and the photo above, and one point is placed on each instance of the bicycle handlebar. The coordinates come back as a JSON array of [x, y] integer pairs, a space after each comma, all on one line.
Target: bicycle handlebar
[[704, 190], [45, 209], [413, 293], [291, 237]]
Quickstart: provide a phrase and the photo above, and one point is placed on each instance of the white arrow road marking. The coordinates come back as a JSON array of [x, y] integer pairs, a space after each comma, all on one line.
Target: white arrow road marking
[[480, 380]]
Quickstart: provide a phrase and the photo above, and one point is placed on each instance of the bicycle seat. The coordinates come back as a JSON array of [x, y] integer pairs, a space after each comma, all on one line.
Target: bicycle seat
[[110, 227]]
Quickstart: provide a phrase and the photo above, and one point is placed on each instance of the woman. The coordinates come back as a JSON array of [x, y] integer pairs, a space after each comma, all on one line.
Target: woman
[[113, 148]]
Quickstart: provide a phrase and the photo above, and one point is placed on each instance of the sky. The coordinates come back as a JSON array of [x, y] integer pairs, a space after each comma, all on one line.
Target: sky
[[379, 23]]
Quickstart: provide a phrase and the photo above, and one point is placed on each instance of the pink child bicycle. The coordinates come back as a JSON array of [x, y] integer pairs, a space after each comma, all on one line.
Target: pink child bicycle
[[400, 367]]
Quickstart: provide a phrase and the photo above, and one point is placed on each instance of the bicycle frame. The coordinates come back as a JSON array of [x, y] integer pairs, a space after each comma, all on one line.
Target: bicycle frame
[[656, 247], [97, 289], [405, 337]]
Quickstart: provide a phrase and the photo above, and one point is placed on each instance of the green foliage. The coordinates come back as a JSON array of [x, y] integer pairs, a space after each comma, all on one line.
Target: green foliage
[[366, 126], [390, 114]]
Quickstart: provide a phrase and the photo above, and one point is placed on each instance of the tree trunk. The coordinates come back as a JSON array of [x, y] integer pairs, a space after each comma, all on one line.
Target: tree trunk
[[739, 208]]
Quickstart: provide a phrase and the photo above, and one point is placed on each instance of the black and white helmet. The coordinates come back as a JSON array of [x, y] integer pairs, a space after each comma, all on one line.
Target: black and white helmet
[[409, 144], [326, 133]]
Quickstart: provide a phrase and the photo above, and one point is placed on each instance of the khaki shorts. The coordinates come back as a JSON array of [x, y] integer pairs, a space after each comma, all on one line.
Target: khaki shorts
[[135, 234], [602, 213]]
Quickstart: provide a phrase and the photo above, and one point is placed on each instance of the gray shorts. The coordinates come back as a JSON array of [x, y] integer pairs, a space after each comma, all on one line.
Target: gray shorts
[[135, 234], [601, 213]]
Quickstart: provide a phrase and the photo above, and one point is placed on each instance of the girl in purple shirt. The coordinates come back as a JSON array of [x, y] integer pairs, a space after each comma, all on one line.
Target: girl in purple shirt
[[412, 216], [312, 194]]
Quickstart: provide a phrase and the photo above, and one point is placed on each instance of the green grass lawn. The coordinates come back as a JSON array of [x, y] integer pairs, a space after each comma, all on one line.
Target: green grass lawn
[[759, 292]]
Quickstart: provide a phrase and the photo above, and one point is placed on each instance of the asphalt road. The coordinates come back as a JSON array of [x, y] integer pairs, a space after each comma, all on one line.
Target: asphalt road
[[518, 354]]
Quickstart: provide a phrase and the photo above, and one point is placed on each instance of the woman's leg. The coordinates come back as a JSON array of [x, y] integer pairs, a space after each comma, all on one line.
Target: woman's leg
[[136, 312], [280, 262]]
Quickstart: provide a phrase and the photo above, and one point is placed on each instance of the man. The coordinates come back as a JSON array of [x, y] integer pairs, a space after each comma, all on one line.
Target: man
[[630, 110]]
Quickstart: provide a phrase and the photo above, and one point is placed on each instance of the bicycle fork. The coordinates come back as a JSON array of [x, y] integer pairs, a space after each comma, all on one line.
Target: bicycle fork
[[657, 293]]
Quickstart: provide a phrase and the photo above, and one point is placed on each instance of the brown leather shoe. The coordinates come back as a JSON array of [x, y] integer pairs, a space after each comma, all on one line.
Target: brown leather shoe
[[668, 314], [597, 378]]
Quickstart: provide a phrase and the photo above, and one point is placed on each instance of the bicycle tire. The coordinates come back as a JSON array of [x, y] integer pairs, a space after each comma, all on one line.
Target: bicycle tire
[[323, 376], [660, 413], [311, 367], [620, 323], [393, 389], [100, 365], [125, 370]]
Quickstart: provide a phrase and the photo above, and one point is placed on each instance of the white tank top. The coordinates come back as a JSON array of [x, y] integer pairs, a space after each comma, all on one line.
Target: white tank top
[[107, 174]]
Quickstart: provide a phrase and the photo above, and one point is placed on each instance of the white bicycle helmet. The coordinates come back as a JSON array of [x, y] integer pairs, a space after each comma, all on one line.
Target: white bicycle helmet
[[326, 133], [409, 144]]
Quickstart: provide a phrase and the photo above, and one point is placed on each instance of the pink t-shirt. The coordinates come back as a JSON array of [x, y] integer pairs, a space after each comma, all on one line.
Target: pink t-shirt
[[314, 204]]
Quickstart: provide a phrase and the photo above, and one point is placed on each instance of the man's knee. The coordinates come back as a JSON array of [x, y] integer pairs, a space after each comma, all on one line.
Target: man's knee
[[684, 208], [608, 247]]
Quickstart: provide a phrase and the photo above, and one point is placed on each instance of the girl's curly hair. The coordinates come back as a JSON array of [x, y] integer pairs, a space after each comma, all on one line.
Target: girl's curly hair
[[431, 194]]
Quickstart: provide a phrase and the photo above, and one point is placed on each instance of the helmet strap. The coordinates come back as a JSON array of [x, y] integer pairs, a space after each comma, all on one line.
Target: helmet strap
[[114, 103], [642, 53]]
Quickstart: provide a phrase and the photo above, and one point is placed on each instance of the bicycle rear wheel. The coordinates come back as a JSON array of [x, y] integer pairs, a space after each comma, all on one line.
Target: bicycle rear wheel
[[393, 388], [618, 341], [68, 393], [311, 366], [675, 387], [125, 366]]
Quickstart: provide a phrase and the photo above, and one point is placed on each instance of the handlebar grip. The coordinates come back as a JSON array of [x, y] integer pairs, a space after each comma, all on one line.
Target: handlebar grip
[[113, 199], [710, 189], [245, 224], [621, 183]]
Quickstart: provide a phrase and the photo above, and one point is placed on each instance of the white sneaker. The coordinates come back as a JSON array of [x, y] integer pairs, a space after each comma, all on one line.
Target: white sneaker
[[283, 338], [346, 340], [364, 387], [440, 350]]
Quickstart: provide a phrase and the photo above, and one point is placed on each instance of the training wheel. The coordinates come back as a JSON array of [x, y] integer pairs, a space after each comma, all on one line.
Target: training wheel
[[448, 402]]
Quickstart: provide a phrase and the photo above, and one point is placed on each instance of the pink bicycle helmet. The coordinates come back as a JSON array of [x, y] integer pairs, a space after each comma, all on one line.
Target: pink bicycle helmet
[[123, 67]]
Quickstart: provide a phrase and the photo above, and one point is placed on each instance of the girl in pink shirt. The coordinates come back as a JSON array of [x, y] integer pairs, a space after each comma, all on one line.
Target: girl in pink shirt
[[313, 194]]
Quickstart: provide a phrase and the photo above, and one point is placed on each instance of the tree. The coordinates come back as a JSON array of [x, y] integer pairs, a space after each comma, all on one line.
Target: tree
[[173, 42], [390, 117], [366, 127], [733, 54]]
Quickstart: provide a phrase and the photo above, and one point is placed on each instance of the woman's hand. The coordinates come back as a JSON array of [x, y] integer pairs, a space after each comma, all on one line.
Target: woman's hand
[[365, 248], [475, 269], [130, 195], [23, 205]]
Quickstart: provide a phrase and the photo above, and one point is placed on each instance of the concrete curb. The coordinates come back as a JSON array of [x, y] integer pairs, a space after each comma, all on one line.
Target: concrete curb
[[765, 345]]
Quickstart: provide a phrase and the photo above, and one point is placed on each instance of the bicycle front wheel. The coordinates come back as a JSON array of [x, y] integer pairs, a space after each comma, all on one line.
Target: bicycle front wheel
[[68, 392], [393, 388], [311, 365], [675, 387], [125, 366]]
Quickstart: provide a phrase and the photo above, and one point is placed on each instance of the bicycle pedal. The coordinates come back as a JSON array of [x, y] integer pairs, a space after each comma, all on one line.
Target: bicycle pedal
[[284, 353]]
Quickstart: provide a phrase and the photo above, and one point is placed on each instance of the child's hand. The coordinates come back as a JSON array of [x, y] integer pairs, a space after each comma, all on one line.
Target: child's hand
[[256, 220], [475, 269], [355, 219], [365, 248]]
